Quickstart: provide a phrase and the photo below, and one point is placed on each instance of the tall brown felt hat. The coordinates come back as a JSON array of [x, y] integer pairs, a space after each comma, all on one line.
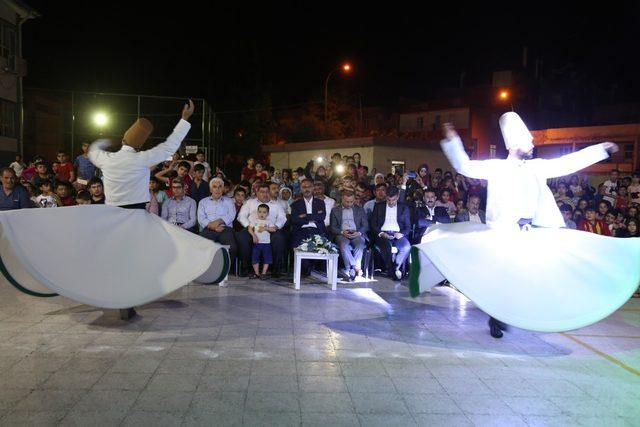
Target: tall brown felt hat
[[138, 133]]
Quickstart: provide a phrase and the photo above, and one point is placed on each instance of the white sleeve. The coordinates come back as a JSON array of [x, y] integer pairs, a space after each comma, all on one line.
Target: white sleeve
[[281, 217], [96, 153], [454, 150], [571, 163], [243, 215], [164, 150]]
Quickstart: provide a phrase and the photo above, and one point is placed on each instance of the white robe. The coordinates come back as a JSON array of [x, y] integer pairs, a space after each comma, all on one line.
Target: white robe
[[518, 188], [103, 256], [544, 279]]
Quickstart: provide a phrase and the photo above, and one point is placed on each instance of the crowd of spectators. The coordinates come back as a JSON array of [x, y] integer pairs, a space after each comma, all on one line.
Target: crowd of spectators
[[267, 212]]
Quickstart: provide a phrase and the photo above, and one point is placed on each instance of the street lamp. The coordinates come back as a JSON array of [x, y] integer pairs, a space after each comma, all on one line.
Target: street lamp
[[346, 68], [505, 96]]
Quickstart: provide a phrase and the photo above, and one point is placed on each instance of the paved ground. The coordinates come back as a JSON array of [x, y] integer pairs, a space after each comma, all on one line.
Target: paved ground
[[260, 353]]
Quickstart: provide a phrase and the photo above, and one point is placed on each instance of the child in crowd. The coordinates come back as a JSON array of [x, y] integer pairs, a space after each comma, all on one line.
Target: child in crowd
[[592, 224], [622, 199], [445, 201], [201, 161], [83, 198], [63, 191], [261, 241], [157, 191], [47, 199]]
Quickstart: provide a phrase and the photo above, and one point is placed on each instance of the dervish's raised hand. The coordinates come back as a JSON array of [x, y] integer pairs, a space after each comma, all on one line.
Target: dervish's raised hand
[[449, 131], [611, 147], [187, 111]]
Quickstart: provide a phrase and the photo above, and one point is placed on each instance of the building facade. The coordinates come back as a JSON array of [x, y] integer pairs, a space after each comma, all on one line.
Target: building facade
[[12, 69]]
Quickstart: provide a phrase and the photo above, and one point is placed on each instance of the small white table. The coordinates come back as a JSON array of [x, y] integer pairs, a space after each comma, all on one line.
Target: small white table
[[332, 266]]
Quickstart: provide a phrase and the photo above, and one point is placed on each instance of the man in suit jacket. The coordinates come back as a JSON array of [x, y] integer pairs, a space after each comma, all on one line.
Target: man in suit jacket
[[473, 212], [307, 218], [349, 225], [427, 213], [391, 224]]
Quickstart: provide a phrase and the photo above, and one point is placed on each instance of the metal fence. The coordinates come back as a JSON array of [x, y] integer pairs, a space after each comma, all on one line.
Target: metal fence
[[64, 120]]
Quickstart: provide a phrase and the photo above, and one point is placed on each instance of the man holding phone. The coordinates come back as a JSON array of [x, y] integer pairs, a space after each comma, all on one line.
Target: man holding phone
[[349, 225]]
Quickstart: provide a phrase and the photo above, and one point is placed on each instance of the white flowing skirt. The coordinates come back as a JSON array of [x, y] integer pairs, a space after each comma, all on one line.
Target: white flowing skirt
[[103, 256], [544, 279]]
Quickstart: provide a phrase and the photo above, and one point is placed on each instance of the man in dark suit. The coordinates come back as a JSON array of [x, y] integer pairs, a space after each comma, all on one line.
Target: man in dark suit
[[473, 212], [307, 218], [349, 225], [391, 224], [427, 213]]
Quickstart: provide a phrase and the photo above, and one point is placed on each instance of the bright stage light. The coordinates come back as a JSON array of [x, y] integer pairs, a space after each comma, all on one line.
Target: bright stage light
[[100, 119]]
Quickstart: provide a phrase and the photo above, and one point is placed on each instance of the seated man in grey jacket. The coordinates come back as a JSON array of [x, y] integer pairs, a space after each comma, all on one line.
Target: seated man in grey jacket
[[349, 226]]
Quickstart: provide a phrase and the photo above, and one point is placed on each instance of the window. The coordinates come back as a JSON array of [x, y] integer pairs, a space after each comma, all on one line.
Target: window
[[8, 119], [628, 151], [397, 166], [566, 149], [8, 45], [492, 151], [420, 123]]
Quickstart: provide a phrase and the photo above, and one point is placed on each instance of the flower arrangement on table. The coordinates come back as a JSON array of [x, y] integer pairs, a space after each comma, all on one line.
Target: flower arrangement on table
[[318, 244]]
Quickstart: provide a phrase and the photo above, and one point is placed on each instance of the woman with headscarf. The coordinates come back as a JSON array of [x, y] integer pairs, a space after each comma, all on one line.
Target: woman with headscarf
[[285, 198]]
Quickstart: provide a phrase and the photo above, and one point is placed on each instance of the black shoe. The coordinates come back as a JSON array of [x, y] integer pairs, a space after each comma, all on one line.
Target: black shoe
[[352, 274], [494, 328], [254, 276], [127, 313]]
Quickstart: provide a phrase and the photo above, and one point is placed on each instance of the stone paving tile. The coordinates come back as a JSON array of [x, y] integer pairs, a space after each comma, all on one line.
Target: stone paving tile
[[257, 353]]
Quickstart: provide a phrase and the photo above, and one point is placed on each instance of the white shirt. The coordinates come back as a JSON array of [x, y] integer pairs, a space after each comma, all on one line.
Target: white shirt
[[329, 203], [126, 172], [263, 236], [276, 215], [432, 211], [475, 218], [18, 168], [391, 219], [309, 205], [610, 189], [518, 188]]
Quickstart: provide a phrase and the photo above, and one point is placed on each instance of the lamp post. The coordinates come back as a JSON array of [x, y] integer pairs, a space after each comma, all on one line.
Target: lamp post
[[505, 96], [346, 68]]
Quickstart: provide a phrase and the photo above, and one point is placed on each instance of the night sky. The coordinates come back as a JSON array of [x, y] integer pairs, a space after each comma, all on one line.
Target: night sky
[[234, 55]]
